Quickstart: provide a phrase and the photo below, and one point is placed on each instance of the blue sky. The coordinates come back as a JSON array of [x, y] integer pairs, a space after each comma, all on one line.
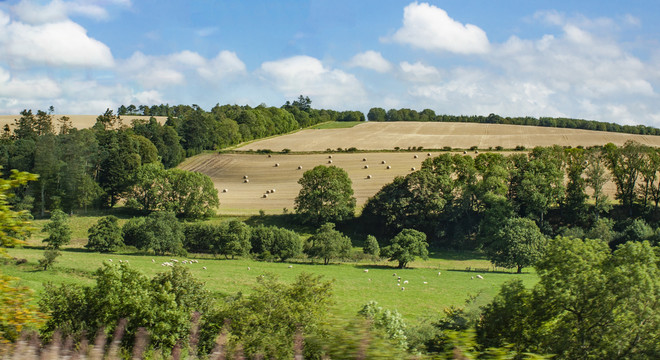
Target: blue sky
[[585, 59]]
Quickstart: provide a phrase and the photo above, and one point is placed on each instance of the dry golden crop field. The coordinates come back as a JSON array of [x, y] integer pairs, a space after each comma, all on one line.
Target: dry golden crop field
[[228, 170], [79, 121], [241, 198], [433, 135]]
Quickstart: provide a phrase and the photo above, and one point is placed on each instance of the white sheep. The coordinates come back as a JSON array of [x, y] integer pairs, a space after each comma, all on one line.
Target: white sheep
[[366, 270], [152, 260], [110, 260], [479, 277], [425, 282], [405, 281], [402, 288], [439, 273], [204, 268], [290, 266], [248, 268], [120, 261]]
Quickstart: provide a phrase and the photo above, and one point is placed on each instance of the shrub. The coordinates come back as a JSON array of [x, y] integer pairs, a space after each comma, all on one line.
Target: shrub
[[105, 235]]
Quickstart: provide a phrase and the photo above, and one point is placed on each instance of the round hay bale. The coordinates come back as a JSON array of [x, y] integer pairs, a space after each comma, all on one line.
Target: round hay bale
[[300, 167], [269, 155], [388, 167], [225, 190], [428, 154], [412, 168], [246, 181], [272, 191], [415, 157], [364, 159], [383, 162], [368, 176], [329, 161], [265, 196], [366, 166], [245, 176], [476, 151], [329, 156], [464, 152], [267, 191], [277, 164]]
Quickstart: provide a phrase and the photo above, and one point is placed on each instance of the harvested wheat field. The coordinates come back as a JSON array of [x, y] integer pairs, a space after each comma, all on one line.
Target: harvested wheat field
[[79, 121], [431, 135], [228, 172]]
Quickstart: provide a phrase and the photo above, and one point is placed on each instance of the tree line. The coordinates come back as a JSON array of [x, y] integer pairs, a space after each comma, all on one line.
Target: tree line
[[380, 114]]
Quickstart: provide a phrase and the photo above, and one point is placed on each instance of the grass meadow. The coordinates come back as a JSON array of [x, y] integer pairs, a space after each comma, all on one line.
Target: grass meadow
[[425, 296]]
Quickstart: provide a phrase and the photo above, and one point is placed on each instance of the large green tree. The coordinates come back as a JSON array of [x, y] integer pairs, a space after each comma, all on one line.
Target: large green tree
[[326, 195], [105, 235], [518, 244], [160, 232], [406, 246], [590, 303], [58, 229]]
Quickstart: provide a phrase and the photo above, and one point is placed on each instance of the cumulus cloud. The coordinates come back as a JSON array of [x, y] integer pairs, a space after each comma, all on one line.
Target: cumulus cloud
[[27, 88], [419, 72], [32, 12], [62, 43], [372, 60], [306, 75], [430, 28], [224, 65]]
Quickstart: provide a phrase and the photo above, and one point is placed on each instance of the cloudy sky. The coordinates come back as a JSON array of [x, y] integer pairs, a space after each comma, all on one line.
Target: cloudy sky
[[584, 59]]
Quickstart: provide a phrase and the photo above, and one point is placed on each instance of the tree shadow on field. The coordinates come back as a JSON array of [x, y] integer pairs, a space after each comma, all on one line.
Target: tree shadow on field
[[487, 270], [456, 255], [376, 266]]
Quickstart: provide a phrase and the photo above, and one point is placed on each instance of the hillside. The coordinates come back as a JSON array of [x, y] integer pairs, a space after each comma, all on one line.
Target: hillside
[[431, 135]]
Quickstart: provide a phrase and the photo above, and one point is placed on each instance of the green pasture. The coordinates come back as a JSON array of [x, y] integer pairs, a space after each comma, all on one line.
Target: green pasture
[[352, 287]]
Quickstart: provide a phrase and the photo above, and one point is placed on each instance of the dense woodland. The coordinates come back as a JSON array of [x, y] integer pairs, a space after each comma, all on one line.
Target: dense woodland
[[597, 258]]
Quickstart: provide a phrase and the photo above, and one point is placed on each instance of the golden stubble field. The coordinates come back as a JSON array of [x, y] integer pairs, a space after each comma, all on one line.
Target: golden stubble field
[[431, 135], [228, 170]]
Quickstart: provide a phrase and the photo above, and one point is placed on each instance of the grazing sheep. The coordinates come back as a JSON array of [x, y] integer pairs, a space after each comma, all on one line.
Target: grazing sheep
[[439, 273], [412, 168], [110, 260], [366, 270], [290, 266], [204, 268], [120, 261], [225, 190], [479, 277], [175, 260], [402, 288], [368, 176], [425, 282], [394, 274], [152, 260], [388, 167], [471, 277], [405, 281], [248, 268], [399, 278]]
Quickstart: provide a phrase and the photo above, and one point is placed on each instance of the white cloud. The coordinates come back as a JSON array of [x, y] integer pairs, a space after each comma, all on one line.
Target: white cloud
[[329, 88], [372, 60], [225, 64], [430, 28], [419, 72], [62, 43], [28, 88]]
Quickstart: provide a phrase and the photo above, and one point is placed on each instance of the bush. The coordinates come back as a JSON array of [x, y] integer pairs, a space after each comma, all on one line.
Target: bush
[[371, 246], [160, 232], [105, 235]]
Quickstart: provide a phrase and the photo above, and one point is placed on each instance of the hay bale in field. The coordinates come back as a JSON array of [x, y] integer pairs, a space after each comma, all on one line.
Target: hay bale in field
[[272, 190], [300, 167], [364, 159], [415, 157], [368, 176], [476, 151], [464, 152], [277, 164], [269, 155], [412, 168], [428, 154], [329, 156], [267, 191], [225, 190], [265, 196], [246, 181], [388, 167], [383, 162], [329, 161], [366, 166], [245, 176]]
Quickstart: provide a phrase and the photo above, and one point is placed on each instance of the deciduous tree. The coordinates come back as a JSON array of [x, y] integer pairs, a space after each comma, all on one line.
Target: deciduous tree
[[406, 246], [326, 195]]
